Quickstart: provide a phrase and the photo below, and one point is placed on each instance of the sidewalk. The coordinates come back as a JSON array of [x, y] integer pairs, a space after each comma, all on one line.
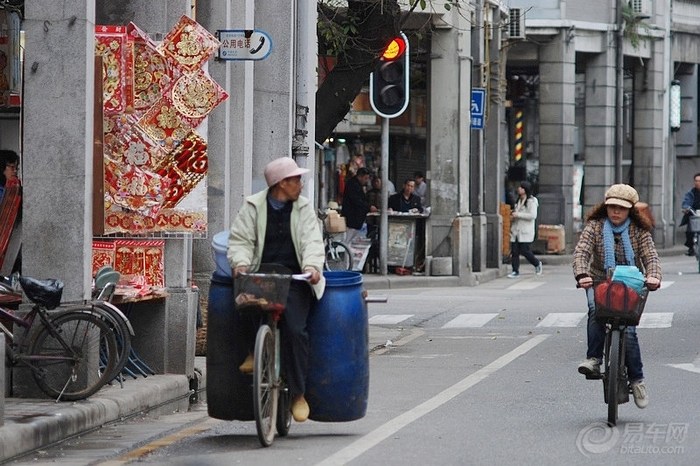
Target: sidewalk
[[30, 424]]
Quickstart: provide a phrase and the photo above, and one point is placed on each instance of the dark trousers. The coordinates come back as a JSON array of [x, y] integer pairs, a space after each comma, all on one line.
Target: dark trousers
[[596, 342], [689, 237], [295, 337], [516, 249], [293, 332]]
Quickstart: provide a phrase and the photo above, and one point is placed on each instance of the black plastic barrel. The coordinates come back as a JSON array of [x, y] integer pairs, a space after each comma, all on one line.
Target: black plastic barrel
[[229, 392], [337, 385]]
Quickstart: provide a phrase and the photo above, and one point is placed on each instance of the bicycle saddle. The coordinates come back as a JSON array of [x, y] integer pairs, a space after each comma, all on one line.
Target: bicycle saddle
[[45, 293]]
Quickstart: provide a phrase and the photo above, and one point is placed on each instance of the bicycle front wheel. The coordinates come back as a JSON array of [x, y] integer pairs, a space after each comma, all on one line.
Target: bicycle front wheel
[[265, 386], [65, 357], [613, 373], [338, 257]]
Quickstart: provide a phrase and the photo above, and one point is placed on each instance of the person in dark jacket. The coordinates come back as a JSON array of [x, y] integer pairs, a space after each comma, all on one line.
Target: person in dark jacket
[[355, 204], [691, 200], [406, 201]]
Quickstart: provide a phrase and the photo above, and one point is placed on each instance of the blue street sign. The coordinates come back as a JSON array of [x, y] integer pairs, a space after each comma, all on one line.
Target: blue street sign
[[477, 108]]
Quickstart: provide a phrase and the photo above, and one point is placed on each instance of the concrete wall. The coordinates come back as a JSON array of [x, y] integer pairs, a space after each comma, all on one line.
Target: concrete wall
[[58, 123]]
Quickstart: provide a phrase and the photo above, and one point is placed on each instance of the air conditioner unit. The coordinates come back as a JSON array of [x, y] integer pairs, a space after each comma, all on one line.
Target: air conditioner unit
[[516, 24], [641, 8]]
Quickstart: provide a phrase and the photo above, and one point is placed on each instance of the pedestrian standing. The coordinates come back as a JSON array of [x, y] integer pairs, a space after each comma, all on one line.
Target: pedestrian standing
[[421, 189], [355, 204], [522, 229]]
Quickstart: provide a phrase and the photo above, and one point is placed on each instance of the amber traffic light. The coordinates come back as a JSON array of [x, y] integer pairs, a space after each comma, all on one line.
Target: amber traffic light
[[388, 84]]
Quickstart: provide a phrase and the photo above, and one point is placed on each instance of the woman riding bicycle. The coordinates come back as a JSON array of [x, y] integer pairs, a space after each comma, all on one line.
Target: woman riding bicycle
[[615, 234], [278, 225]]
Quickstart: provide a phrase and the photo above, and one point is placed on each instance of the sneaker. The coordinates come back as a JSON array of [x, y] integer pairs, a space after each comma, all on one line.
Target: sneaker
[[538, 268], [641, 397], [247, 366], [690, 252], [590, 366], [514, 275], [300, 409]]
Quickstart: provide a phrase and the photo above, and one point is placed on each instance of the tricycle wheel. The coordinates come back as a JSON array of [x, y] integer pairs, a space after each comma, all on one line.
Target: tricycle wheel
[[284, 412]]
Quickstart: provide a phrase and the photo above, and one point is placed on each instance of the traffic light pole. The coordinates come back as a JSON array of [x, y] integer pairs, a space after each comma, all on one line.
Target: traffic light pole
[[384, 216]]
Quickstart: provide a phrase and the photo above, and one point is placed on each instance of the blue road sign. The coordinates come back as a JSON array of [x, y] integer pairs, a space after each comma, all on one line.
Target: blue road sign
[[477, 108]]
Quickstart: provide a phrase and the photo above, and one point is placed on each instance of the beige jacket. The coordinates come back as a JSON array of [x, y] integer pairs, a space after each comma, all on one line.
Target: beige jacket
[[522, 227], [247, 235]]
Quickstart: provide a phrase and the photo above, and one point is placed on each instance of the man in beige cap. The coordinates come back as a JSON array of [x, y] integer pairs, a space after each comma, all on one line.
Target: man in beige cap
[[279, 226], [615, 234]]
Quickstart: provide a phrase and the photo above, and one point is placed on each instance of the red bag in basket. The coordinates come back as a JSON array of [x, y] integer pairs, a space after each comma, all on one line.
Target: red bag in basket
[[616, 296]]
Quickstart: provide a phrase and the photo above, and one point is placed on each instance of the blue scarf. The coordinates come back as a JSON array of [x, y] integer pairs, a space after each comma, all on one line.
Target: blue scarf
[[609, 230]]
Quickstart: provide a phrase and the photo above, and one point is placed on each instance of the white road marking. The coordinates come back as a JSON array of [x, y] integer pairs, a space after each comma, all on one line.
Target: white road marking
[[692, 367], [389, 428], [526, 285], [687, 367], [469, 321], [388, 319], [656, 320], [562, 319]]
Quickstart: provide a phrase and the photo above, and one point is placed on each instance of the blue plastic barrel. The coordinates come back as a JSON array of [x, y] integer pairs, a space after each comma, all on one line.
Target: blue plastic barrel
[[229, 393], [337, 385]]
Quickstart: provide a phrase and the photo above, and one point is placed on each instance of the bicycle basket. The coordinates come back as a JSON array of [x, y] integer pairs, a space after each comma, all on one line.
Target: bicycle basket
[[261, 291], [694, 223], [616, 300]]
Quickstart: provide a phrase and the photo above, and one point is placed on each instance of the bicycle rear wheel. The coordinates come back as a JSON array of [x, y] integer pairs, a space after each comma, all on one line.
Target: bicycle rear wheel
[[65, 358], [338, 257], [613, 373], [265, 386], [122, 332]]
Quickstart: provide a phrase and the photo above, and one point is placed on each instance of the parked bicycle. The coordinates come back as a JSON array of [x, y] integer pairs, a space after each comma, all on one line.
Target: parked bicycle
[[106, 280], [616, 385], [338, 255], [62, 348], [694, 227], [265, 295]]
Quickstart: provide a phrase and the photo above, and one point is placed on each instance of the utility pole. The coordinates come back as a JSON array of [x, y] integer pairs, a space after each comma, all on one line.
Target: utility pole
[[619, 89]]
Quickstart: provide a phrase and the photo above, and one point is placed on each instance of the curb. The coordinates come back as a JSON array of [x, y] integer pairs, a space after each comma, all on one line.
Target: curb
[[31, 424]]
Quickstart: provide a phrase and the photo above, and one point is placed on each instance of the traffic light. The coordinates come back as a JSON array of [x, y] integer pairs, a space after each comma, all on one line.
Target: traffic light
[[388, 84]]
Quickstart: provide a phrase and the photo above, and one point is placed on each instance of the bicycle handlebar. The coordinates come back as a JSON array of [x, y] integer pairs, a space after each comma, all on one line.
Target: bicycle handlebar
[[644, 285], [295, 276]]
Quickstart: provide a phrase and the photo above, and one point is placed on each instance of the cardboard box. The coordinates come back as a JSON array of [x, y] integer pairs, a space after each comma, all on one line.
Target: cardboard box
[[554, 236], [335, 224]]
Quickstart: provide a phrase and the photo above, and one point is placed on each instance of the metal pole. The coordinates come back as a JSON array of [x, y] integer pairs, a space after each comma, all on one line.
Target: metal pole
[[384, 217], [619, 91]]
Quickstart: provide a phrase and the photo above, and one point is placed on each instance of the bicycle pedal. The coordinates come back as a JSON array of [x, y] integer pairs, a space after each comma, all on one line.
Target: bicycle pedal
[[594, 376]]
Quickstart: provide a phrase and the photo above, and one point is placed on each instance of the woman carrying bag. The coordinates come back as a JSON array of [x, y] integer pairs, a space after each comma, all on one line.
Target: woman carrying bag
[[522, 230]]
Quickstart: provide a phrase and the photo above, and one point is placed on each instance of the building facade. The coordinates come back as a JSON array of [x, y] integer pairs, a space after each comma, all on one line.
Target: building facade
[[590, 82]]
